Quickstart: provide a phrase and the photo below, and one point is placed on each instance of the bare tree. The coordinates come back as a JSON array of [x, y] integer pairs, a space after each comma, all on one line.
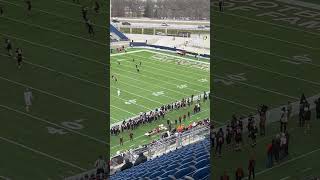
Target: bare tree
[[173, 9]]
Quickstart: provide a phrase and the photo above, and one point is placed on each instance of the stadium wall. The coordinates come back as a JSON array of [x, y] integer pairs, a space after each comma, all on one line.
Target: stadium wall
[[139, 44]]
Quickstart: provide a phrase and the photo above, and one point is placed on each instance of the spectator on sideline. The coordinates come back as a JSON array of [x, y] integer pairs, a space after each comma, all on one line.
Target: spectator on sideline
[[127, 165], [239, 173], [220, 141], [283, 120], [276, 148], [317, 102], [141, 159], [100, 165], [251, 167], [283, 144], [269, 154]]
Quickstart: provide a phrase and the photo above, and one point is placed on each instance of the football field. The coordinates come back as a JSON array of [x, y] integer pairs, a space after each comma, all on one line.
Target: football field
[[267, 54], [64, 68], [163, 78]]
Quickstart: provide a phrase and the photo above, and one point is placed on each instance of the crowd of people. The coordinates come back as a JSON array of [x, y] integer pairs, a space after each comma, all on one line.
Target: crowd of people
[[277, 150], [160, 113]]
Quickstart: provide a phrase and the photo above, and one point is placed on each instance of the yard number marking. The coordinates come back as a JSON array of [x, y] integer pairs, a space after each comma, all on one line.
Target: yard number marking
[[159, 93], [131, 101], [234, 77], [75, 125], [298, 59], [203, 80], [182, 86]]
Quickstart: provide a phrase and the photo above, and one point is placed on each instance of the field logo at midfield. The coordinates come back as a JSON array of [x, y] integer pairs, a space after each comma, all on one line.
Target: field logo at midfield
[[131, 101], [159, 93], [298, 59], [74, 125]]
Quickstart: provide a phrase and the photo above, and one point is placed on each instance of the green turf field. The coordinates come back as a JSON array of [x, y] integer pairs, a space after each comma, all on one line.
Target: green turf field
[[161, 81], [263, 59], [65, 69]]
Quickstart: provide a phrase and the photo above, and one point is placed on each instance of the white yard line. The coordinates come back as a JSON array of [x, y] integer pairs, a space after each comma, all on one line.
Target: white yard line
[[51, 123], [55, 49], [60, 72], [288, 161], [75, 4], [266, 37], [123, 110], [188, 59], [158, 102], [4, 178], [272, 24], [130, 52], [53, 30], [53, 14], [143, 89], [223, 99], [305, 170], [41, 153], [161, 87], [258, 87], [171, 72], [167, 77], [56, 96], [157, 62], [149, 60], [301, 4], [288, 177], [266, 70], [263, 51]]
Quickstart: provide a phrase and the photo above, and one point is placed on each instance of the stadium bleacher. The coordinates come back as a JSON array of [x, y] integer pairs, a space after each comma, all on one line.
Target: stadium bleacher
[[116, 32], [191, 162]]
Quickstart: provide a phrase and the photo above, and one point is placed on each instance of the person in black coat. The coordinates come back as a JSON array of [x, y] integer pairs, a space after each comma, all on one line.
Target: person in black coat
[[141, 159], [127, 165]]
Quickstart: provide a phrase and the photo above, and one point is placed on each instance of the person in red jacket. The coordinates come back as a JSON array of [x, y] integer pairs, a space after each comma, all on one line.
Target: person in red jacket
[[269, 155]]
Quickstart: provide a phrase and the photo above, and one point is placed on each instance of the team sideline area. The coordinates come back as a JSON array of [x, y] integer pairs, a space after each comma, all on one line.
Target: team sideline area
[[267, 65], [59, 134]]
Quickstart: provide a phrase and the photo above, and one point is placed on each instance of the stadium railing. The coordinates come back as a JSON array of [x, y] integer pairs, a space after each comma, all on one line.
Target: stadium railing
[[139, 44], [165, 145]]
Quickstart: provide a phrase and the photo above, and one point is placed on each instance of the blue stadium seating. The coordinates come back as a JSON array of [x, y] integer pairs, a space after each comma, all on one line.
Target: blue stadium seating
[[121, 36], [191, 162]]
